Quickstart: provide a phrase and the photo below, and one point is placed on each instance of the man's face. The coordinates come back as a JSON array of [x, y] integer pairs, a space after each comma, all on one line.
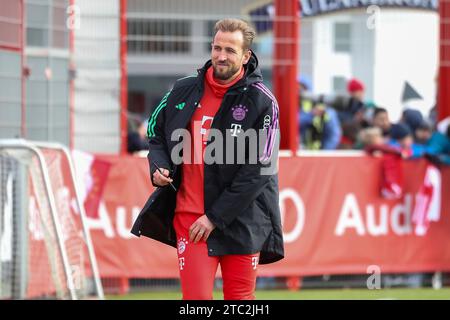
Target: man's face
[[423, 135], [358, 95], [406, 142], [381, 120], [228, 55]]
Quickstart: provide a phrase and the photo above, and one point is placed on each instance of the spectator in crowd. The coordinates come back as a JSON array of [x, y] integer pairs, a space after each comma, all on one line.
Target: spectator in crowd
[[438, 147], [355, 107], [356, 89], [319, 124], [391, 186], [412, 118], [435, 146], [369, 108], [401, 138], [371, 136], [351, 113], [423, 132], [137, 137], [381, 120]]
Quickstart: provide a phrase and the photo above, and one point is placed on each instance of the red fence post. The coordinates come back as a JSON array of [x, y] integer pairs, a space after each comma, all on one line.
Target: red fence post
[[71, 78], [444, 60], [285, 67], [123, 77], [23, 68]]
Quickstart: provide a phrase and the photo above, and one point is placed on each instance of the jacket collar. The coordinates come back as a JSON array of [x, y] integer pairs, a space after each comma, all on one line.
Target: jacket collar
[[252, 73]]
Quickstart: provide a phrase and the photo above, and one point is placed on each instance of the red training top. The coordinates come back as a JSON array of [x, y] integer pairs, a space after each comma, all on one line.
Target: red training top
[[190, 196]]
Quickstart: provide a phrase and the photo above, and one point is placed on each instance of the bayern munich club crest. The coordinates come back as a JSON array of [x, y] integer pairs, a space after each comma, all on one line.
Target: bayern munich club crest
[[181, 245], [239, 112]]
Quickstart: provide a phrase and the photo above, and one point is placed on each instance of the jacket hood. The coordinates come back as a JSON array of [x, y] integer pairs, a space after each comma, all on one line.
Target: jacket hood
[[252, 72]]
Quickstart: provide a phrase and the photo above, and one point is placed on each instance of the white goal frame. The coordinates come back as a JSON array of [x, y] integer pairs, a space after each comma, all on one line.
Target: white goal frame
[[35, 148]]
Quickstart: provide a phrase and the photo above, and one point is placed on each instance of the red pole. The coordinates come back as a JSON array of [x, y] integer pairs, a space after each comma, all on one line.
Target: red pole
[[71, 79], [285, 66], [123, 77], [444, 65], [24, 73]]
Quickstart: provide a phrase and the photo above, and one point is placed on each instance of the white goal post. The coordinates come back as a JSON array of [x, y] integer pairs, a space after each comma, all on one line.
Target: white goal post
[[45, 246]]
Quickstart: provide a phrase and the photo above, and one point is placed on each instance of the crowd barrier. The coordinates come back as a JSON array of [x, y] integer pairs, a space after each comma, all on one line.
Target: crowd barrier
[[334, 220]]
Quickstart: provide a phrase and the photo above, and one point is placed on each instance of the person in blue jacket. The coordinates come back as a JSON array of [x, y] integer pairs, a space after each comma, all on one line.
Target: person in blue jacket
[[320, 128]]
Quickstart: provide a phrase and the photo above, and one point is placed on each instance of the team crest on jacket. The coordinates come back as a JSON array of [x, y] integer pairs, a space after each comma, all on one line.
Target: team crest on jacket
[[182, 245], [239, 112]]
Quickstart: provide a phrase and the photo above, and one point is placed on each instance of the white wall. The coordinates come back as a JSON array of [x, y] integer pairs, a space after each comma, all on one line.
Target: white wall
[[406, 48], [97, 82], [328, 63]]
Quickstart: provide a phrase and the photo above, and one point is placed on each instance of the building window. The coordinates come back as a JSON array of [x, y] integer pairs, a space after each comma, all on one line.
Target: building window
[[342, 37], [209, 34], [159, 36], [10, 28], [46, 23], [339, 85]]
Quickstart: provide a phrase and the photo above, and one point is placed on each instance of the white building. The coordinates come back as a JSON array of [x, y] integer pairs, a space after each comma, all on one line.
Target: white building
[[385, 46], [385, 49], [68, 87]]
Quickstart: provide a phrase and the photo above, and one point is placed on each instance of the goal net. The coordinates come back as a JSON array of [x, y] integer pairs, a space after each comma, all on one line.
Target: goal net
[[45, 247]]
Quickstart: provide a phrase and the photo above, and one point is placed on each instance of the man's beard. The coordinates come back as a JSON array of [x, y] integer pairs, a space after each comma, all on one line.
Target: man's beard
[[225, 75]]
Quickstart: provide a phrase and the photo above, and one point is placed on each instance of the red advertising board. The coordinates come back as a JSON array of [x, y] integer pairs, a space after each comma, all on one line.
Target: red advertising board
[[334, 220]]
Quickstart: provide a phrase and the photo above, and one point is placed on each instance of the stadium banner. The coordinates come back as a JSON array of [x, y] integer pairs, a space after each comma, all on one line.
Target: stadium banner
[[334, 219]]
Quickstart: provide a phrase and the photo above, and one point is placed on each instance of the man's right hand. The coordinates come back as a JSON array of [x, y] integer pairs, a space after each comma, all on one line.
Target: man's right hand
[[161, 179]]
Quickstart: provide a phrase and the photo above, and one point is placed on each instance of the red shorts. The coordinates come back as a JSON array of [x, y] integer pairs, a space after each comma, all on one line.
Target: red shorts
[[198, 270]]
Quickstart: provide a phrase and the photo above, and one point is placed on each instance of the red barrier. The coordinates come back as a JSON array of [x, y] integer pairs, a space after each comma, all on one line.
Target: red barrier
[[334, 221]]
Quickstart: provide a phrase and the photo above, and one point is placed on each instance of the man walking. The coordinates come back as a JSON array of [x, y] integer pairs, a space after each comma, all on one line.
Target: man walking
[[222, 211]]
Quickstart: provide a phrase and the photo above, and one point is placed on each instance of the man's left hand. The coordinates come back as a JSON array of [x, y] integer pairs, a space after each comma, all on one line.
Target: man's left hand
[[201, 229]]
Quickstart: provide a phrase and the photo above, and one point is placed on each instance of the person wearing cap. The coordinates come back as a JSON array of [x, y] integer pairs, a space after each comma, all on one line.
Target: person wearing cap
[[402, 138], [423, 132], [412, 118], [415, 121], [351, 113], [436, 148], [356, 89]]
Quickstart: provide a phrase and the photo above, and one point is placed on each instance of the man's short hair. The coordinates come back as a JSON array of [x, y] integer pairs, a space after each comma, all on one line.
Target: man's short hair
[[378, 110], [232, 25]]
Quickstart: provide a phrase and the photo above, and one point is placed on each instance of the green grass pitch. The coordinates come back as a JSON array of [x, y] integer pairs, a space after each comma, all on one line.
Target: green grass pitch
[[310, 294]]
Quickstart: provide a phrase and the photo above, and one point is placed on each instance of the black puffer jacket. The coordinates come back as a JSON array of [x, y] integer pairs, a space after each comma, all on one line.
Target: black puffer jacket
[[241, 199]]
